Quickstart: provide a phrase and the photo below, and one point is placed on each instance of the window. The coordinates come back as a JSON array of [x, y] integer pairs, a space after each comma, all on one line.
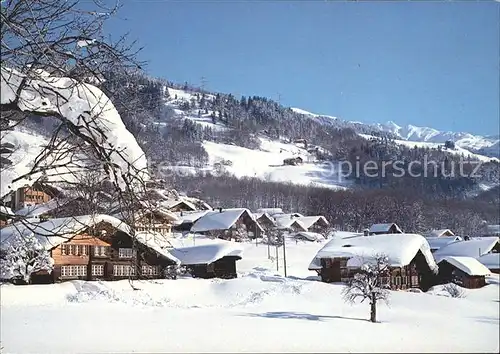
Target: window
[[414, 280], [149, 270], [74, 271], [125, 252], [100, 251], [98, 269], [74, 250], [121, 270]]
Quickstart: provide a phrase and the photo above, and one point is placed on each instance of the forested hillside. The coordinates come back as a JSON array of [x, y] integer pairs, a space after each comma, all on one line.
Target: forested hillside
[[171, 123]]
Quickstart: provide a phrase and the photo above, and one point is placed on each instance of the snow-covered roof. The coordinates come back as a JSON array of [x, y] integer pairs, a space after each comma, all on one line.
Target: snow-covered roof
[[6, 210], [287, 223], [384, 227], [270, 211], [208, 253], [470, 248], [440, 233], [156, 242], [221, 220], [399, 248], [438, 242], [492, 229], [490, 260], [172, 203], [468, 265], [190, 216], [53, 232], [311, 236], [40, 209], [309, 221]]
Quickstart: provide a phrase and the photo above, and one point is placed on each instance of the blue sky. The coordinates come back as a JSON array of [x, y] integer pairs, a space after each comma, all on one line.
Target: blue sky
[[428, 64]]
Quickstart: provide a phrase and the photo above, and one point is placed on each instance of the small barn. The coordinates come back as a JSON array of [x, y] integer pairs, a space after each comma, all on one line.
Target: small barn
[[440, 233], [379, 229], [467, 272], [490, 230], [236, 223], [213, 260], [410, 259], [316, 224]]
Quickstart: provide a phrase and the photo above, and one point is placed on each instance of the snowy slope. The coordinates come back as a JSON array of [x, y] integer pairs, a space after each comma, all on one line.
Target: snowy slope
[[27, 146], [260, 311]]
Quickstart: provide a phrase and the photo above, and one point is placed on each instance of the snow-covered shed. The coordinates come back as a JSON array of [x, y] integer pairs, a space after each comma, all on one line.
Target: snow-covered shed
[[438, 242], [289, 224], [491, 261], [410, 258], [236, 223], [265, 220], [470, 248], [440, 233], [390, 228], [467, 272], [317, 223], [212, 260]]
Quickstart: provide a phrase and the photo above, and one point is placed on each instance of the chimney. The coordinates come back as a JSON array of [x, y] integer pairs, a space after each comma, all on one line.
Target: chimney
[[220, 210], [366, 232]]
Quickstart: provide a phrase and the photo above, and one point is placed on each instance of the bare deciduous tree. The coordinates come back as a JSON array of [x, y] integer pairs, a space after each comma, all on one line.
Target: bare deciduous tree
[[371, 283]]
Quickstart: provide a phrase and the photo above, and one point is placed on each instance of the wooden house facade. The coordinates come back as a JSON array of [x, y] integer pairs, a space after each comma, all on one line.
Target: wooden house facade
[[31, 195], [451, 270], [103, 253], [416, 274], [229, 224]]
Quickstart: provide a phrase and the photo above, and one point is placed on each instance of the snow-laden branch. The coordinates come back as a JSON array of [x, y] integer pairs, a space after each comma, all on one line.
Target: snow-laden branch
[[89, 115]]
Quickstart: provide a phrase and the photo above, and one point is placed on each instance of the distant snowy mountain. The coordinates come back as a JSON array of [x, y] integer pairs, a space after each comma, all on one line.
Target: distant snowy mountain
[[484, 145]]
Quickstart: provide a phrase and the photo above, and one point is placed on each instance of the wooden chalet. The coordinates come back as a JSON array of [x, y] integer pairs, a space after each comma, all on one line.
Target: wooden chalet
[[379, 229], [32, 195], [466, 272], [317, 224], [229, 224], [436, 243], [187, 219], [97, 247], [266, 221], [149, 217], [340, 259], [290, 224], [214, 260]]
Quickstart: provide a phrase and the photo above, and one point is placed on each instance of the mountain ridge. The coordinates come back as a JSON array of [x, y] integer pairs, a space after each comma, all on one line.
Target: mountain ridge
[[487, 145]]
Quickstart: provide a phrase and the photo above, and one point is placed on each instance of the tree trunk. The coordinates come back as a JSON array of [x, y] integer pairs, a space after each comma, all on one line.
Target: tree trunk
[[373, 309]]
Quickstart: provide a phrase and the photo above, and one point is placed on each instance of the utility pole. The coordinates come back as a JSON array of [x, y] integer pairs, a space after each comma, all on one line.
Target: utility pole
[[284, 253], [277, 259]]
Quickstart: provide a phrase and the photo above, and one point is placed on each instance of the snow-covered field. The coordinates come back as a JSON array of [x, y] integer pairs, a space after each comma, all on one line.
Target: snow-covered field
[[261, 311]]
